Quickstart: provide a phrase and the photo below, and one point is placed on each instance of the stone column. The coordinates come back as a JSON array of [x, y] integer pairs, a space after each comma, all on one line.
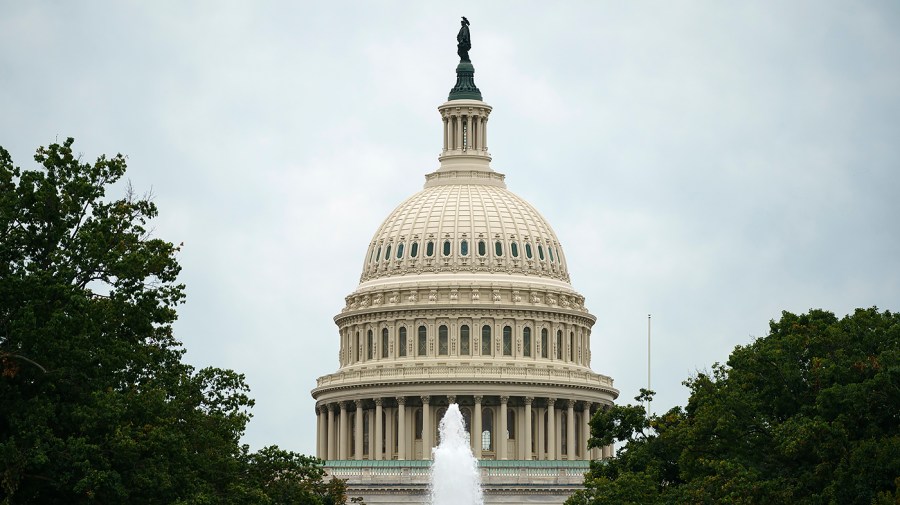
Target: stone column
[[570, 430], [401, 428], [446, 132], [358, 434], [426, 427], [342, 432], [539, 414], [319, 429], [379, 430], [476, 428], [527, 436], [332, 432], [504, 438], [459, 132], [586, 429], [551, 429]]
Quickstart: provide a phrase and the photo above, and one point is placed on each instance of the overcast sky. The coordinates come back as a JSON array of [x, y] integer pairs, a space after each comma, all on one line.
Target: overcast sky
[[709, 163]]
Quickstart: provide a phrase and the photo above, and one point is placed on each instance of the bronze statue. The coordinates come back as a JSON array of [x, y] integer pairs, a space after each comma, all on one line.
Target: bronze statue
[[463, 40]]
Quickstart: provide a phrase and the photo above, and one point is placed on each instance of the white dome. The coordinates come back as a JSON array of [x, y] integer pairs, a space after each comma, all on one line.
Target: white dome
[[460, 228]]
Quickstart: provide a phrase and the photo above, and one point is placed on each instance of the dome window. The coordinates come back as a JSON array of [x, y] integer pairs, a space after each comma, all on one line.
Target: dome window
[[378, 254], [541, 252], [498, 248], [482, 249], [507, 341], [387, 252], [429, 249], [414, 250], [401, 345], [446, 248], [514, 249], [485, 340], [550, 251], [464, 341], [464, 248], [400, 250], [528, 250], [443, 341]]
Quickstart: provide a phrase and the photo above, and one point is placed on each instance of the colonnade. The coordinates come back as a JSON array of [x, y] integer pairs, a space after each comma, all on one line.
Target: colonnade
[[510, 427], [465, 128]]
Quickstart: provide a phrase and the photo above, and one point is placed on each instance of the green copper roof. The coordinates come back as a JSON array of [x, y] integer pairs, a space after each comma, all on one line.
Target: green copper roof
[[465, 88]]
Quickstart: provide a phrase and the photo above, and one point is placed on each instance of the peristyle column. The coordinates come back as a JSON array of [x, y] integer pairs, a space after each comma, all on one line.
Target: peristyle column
[[379, 430], [504, 433], [586, 429], [342, 432], [358, 435], [426, 427], [551, 429], [401, 428], [570, 430], [476, 428], [332, 453], [527, 437]]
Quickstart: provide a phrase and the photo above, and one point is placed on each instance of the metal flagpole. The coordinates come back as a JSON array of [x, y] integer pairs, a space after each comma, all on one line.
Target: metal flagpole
[[648, 363]]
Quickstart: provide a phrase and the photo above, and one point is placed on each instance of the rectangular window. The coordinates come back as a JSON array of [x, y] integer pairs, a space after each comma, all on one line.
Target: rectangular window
[[544, 343], [485, 340], [443, 344], [507, 341], [401, 346], [526, 342], [464, 340], [423, 341], [384, 343]]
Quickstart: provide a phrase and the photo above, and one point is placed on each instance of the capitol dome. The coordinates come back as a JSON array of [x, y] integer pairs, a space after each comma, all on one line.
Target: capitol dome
[[464, 297]]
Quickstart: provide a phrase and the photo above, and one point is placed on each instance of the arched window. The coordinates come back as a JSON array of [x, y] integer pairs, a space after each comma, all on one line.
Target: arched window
[[464, 341], [356, 348], [378, 254], [541, 252], [528, 250], [401, 345], [514, 249], [369, 344], [423, 341], [366, 422], [510, 424], [387, 252], [526, 342], [563, 430], [559, 349], [498, 248], [372, 255], [384, 342], [550, 250], [544, 343], [446, 251], [464, 248], [485, 340], [414, 250], [571, 346], [400, 250], [507, 341], [487, 430], [418, 424], [443, 341], [482, 249], [429, 249]]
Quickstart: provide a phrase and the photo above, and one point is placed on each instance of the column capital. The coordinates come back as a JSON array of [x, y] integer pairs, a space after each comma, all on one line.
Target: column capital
[[551, 402], [319, 409], [571, 403], [478, 398], [401, 400], [451, 399], [586, 406], [359, 403], [426, 399], [379, 402], [343, 405], [529, 400], [504, 399], [331, 407]]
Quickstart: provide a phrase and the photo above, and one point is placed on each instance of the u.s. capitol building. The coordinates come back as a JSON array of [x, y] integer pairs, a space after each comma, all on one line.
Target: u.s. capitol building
[[464, 297]]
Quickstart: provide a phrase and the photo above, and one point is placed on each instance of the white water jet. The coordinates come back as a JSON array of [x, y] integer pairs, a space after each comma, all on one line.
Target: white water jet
[[455, 478]]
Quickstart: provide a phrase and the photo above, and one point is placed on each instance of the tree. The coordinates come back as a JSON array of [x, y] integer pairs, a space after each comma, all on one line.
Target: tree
[[808, 414], [97, 405]]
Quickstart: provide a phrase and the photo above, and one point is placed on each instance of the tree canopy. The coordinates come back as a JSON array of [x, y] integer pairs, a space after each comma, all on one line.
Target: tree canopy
[[808, 414], [97, 404]]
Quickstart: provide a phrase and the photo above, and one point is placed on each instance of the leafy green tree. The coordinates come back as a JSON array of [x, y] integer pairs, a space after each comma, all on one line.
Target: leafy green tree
[[808, 414], [97, 405]]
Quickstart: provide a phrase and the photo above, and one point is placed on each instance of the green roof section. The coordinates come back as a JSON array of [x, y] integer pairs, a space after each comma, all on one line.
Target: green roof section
[[465, 88], [484, 463]]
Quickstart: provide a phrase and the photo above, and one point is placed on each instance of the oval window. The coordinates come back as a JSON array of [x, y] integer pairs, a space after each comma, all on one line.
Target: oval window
[[514, 250], [482, 249], [429, 249], [464, 248], [498, 248], [400, 250], [414, 250], [387, 252], [446, 248], [541, 252], [527, 250]]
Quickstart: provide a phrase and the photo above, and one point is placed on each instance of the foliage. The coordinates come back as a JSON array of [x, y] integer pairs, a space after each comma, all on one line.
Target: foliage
[[97, 405], [808, 414]]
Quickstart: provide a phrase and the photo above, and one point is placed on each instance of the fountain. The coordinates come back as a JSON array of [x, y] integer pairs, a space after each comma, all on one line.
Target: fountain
[[455, 477]]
